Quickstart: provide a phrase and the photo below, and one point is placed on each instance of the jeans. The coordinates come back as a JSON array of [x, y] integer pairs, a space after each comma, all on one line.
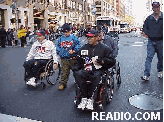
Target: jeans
[[152, 48]]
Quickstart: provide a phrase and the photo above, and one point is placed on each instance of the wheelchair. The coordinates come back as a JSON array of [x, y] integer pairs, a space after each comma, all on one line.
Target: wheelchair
[[46, 73], [116, 70], [103, 93]]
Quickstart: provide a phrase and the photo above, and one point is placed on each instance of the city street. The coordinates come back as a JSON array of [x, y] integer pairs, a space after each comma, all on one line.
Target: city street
[[51, 105]]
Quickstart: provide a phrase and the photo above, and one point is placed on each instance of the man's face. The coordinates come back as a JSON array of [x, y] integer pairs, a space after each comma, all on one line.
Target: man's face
[[40, 38], [92, 40], [67, 33], [156, 9]]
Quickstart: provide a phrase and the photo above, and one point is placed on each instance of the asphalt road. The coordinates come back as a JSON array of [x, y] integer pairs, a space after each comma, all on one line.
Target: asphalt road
[[51, 105]]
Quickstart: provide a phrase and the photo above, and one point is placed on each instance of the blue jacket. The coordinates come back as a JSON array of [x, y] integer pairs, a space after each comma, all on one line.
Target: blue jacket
[[64, 44], [154, 28]]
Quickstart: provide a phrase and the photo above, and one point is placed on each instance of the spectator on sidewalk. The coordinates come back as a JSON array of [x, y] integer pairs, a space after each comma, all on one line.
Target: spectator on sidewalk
[[3, 35], [16, 40], [27, 35], [9, 38], [12, 37], [153, 29], [22, 35]]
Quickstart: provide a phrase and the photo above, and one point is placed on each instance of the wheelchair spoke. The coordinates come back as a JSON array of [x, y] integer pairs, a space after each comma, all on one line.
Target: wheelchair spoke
[[110, 88], [52, 76]]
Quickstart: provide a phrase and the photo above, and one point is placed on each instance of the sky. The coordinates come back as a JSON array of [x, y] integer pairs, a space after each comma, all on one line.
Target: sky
[[139, 10]]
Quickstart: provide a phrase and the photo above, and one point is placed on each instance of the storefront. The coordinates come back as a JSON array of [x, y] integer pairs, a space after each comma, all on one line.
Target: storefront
[[38, 19], [2, 20]]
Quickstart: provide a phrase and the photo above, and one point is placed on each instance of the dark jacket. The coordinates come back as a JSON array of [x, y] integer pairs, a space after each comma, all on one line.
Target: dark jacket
[[101, 50], [111, 42], [3, 33], [154, 28], [105, 30]]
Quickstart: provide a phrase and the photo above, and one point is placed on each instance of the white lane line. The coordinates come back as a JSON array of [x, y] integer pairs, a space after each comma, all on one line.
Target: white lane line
[[10, 118], [137, 45], [138, 42]]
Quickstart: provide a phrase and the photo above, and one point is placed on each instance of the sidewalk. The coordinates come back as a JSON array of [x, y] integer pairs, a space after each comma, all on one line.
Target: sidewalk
[[9, 118]]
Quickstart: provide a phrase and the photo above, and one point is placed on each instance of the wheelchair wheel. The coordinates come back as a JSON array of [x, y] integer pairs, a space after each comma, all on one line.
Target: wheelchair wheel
[[78, 96], [118, 77], [25, 76], [52, 76], [110, 88]]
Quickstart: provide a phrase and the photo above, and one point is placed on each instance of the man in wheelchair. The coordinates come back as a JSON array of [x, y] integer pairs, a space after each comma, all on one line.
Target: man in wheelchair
[[92, 60], [40, 53]]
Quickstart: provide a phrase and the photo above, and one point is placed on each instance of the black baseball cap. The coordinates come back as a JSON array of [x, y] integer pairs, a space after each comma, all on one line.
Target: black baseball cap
[[93, 32], [66, 27], [155, 4], [41, 32]]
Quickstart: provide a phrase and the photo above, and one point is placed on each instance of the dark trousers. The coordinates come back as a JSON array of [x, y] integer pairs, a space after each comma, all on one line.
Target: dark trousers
[[9, 42], [16, 42], [3, 40], [23, 41], [32, 66], [82, 76]]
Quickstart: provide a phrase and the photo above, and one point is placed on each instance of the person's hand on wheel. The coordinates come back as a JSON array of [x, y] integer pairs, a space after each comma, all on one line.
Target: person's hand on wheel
[[55, 66], [144, 35]]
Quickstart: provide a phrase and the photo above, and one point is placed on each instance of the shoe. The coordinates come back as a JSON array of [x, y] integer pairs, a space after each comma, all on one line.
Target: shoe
[[61, 87], [145, 78], [32, 82], [160, 74], [83, 103], [90, 104]]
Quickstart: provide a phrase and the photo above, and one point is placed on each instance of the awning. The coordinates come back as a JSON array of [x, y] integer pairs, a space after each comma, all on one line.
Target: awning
[[53, 13]]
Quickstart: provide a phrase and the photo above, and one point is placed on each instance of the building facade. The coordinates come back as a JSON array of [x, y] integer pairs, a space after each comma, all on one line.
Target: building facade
[[38, 14]]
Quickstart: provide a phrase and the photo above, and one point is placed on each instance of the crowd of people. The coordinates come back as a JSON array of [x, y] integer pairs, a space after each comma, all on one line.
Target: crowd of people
[[22, 36]]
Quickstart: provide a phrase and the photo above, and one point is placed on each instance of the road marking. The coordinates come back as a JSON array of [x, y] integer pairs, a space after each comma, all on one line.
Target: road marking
[[10, 118], [137, 45]]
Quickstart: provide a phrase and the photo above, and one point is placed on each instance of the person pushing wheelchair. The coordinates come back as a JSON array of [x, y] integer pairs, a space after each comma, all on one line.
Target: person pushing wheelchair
[[92, 60], [40, 53]]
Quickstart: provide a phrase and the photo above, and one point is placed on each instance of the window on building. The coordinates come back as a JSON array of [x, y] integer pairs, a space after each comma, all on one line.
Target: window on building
[[98, 9], [98, 3]]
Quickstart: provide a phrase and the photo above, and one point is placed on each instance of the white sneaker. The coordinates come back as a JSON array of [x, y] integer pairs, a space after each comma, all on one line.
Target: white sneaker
[[83, 103], [145, 78], [31, 82], [28, 82], [90, 104], [160, 74]]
